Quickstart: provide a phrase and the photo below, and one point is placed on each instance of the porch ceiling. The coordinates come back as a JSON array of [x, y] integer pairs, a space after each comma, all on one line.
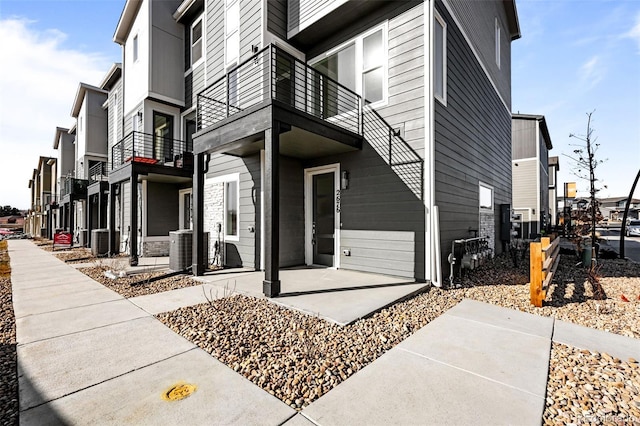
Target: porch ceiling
[[302, 136]]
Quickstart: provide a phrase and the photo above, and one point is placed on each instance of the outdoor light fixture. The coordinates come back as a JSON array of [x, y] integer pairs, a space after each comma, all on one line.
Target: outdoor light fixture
[[344, 181]]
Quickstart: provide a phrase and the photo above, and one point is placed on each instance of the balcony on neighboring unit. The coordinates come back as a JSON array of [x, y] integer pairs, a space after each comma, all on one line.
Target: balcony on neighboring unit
[[74, 187], [98, 173], [148, 149], [318, 115]]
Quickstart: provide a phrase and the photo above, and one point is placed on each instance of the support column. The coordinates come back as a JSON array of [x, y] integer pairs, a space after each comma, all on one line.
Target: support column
[[113, 249], [133, 237], [198, 249], [271, 283], [72, 215], [88, 216]]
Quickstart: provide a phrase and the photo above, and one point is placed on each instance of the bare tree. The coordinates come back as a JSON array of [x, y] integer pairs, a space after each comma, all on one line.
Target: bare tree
[[584, 167]]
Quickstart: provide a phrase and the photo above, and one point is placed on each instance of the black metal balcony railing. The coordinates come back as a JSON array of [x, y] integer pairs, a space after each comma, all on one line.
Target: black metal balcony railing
[[394, 150], [145, 148], [98, 173], [72, 186], [274, 74]]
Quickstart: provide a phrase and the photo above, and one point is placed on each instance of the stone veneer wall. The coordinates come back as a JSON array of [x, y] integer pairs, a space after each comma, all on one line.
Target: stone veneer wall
[[488, 229], [213, 214], [155, 248]]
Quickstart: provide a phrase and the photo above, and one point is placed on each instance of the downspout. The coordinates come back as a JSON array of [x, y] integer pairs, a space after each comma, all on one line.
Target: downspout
[[433, 269]]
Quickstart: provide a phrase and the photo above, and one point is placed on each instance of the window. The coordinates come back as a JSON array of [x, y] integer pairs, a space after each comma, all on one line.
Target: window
[[498, 32], [231, 213], [135, 48], [232, 33], [186, 208], [360, 64], [486, 197], [439, 58], [116, 117], [196, 41]]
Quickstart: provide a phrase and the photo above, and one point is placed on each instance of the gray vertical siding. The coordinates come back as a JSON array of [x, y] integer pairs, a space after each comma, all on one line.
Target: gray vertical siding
[[162, 208], [473, 143], [525, 188], [247, 249], [277, 18], [291, 212], [250, 26], [167, 38], [523, 139], [214, 40], [477, 18], [97, 124]]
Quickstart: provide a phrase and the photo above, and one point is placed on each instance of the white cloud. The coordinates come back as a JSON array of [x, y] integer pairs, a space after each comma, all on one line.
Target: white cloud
[[38, 82], [634, 33], [591, 73]]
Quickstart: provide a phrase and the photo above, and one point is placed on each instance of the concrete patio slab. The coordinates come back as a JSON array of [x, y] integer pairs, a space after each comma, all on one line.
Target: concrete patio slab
[[505, 356], [32, 328], [596, 340], [221, 397], [53, 368], [503, 317], [299, 420], [402, 388], [23, 307]]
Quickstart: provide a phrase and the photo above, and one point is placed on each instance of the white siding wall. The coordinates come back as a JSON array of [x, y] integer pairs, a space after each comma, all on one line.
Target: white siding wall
[[136, 74]]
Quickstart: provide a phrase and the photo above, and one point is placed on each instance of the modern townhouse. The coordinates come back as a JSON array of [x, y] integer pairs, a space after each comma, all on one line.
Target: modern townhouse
[[40, 219], [357, 135], [554, 168], [151, 165], [530, 165], [64, 145], [90, 157]]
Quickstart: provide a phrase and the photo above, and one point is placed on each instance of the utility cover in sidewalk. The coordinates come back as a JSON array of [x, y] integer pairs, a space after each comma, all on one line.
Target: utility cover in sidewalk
[[178, 392]]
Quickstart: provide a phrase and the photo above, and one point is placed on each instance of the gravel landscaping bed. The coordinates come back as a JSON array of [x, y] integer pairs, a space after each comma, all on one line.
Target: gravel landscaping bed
[[298, 358], [591, 388], [8, 357], [123, 285], [76, 255]]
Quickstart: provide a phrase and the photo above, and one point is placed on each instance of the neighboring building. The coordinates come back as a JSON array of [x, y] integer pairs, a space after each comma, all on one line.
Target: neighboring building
[[151, 164], [38, 222], [334, 135], [530, 167], [64, 144], [613, 208], [554, 168]]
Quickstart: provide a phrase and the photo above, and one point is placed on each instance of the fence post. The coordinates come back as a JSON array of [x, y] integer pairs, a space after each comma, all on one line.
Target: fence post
[[535, 274]]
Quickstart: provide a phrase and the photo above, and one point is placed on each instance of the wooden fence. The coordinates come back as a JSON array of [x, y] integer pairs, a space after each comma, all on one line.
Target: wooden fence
[[544, 259]]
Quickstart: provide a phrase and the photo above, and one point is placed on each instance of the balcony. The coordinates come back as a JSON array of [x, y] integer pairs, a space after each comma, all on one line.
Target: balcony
[[148, 149], [314, 109], [98, 173], [74, 187]]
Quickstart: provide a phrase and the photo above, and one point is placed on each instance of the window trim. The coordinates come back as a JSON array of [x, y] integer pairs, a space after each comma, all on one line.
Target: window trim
[[358, 42], [441, 21], [136, 48], [227, 5], [482, 185], [224, 179], [200, 20], [498, 47]]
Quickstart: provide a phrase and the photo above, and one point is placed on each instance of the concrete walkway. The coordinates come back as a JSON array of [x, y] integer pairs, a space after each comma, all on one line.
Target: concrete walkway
[[88, 356]]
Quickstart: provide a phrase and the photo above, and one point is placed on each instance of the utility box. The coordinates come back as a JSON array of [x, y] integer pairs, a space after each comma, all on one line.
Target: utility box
[[82, 238], [100, 242], [181, 249]]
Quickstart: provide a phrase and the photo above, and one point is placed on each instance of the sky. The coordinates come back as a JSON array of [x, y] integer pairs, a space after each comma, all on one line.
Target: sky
[[574, 57]]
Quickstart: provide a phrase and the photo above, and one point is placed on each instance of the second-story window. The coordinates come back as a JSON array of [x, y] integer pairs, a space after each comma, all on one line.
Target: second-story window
[[360, 64], [439, 58], [232, 32], [196, 41], [135, 48]]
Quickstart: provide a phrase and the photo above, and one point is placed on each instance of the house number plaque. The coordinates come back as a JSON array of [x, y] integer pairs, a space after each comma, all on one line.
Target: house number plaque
[[337, 200]]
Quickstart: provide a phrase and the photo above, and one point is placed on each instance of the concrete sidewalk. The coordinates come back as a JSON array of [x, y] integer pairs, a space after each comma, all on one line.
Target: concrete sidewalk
[[86, 355]]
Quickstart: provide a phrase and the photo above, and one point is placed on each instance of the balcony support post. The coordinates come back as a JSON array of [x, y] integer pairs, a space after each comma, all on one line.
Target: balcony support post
[[271, 283], [72, 213], [113, 249], [133, 235], [198, 249]]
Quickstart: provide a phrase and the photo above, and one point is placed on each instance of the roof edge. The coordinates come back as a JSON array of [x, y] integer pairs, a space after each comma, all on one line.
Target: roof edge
[[83, 88], [125, 22]]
